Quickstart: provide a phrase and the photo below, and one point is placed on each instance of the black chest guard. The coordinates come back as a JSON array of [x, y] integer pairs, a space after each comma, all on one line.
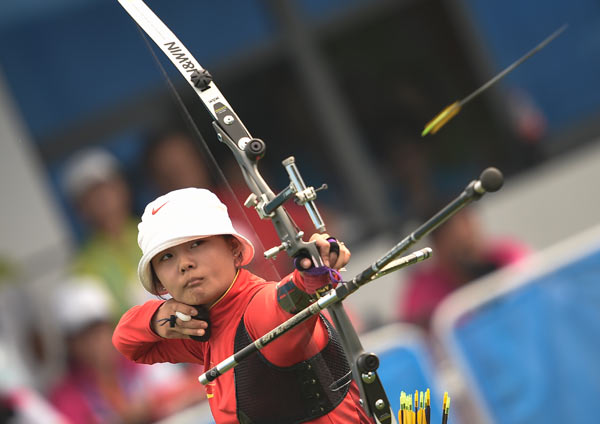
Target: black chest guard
[[268, 394]]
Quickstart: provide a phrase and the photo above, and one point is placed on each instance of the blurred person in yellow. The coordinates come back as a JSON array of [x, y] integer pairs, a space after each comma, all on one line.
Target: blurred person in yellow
[[101, 196], [98, 384]]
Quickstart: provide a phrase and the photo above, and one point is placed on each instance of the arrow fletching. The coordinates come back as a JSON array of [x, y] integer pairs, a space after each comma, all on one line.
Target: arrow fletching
[[441, 119]]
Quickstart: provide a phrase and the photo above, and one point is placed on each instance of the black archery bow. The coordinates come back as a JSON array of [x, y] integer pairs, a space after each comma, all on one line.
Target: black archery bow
[[247, 151]]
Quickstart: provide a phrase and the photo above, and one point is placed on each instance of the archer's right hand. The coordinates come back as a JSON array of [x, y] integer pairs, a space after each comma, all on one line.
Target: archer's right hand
[[162, 325]]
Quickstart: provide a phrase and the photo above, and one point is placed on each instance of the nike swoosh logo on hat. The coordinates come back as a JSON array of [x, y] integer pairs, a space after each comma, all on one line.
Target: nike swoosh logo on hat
[[154, 211]]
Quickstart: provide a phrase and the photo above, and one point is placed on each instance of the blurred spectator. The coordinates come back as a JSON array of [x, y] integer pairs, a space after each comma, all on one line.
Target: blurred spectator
[[408, 169], [24, 405], [99, 384], [101, 196], [173, 161], [461, 253], [529, 124]]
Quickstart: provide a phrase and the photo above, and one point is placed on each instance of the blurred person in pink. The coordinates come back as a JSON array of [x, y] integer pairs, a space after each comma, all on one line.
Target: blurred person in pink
[[20, 401], [99, 385], [462, 252]]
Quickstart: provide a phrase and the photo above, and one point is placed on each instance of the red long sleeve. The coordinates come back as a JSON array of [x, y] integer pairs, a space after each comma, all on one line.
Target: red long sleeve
[[134, 338]]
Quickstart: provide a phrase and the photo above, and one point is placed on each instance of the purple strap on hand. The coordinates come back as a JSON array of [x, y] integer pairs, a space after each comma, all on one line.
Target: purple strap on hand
[[334, 276]]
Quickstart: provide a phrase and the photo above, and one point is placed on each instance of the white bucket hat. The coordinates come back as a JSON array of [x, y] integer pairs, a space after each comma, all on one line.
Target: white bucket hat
[[181, 216]]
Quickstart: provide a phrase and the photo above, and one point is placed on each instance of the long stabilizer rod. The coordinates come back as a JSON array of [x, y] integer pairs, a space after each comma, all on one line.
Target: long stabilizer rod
[[490, 180]]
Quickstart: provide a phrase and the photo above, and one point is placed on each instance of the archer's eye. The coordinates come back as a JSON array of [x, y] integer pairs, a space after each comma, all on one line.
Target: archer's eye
[[197, 243], [165, 257]]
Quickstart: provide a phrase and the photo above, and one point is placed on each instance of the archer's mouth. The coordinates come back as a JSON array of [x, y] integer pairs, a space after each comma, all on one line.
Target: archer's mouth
[[194, 282]]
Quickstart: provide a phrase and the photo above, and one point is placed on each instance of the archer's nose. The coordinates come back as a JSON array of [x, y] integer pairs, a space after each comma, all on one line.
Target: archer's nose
[[186, 264]]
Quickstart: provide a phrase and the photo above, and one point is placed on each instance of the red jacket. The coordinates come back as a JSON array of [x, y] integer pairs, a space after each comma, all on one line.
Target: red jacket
[[255, 299]]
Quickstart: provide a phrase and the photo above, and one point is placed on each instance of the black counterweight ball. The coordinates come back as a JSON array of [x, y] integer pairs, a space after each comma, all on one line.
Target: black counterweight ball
[[491, 179]]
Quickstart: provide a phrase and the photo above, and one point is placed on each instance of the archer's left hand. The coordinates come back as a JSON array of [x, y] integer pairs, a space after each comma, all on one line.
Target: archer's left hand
[[329, 256]]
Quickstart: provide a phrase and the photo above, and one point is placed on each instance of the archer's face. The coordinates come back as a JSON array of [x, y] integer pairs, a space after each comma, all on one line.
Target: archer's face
[[198, 272]]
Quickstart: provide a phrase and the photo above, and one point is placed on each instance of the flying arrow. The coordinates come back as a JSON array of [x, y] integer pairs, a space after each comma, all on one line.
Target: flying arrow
[[452, 110]]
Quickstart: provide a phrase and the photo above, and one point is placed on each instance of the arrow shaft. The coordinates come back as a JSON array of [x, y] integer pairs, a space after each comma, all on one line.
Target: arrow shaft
[[513, 65]]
